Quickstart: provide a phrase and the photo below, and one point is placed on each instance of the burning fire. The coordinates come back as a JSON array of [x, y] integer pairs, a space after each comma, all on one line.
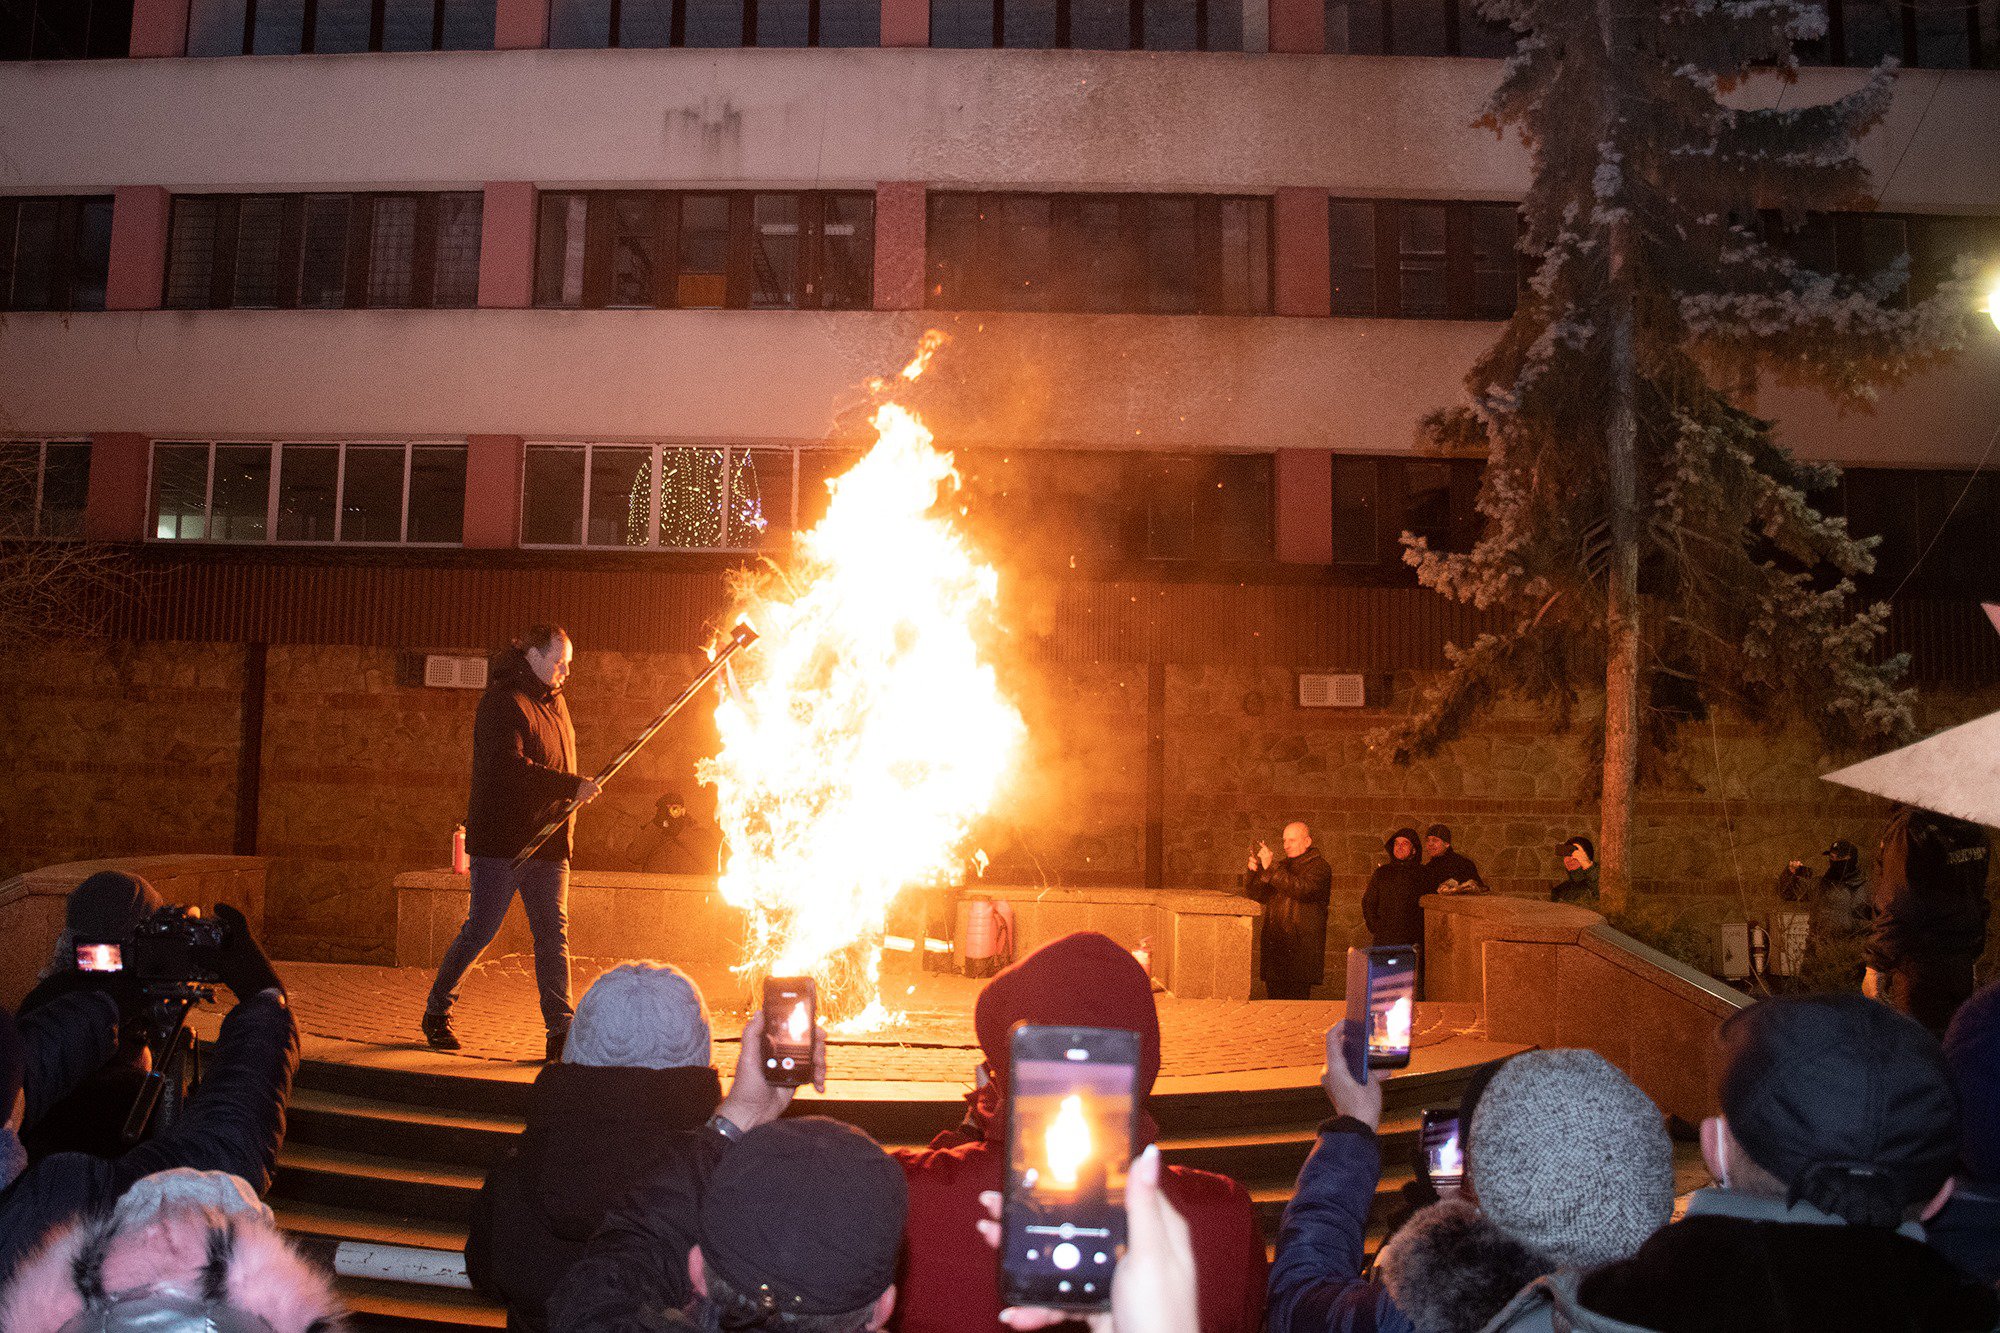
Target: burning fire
[[865, 733], [1067, 1142], [798, 1028], [1397, 1020]]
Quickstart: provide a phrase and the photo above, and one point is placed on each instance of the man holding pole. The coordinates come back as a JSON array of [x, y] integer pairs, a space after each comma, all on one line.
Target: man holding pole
[[523, 767]]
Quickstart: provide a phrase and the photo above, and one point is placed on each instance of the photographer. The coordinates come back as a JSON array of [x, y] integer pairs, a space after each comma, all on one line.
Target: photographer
[[233, 1122]]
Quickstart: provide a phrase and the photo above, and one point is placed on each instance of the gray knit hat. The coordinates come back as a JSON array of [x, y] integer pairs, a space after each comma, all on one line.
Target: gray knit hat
[[640, 1016], [1570, 1158]]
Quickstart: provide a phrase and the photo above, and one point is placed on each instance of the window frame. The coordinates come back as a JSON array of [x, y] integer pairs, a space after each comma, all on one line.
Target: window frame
[[69, 265], [598, 277], [677, 27], [309, 22], [1387, 263], [1458, 16], [1205, 28], [38, 511], [117, 13], [984, 281], [275, 446], [1832, 48], [731, 450], [359, 238]]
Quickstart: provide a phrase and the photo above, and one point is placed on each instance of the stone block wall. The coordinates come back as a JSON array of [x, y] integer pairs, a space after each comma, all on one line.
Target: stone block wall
[[120, 749]]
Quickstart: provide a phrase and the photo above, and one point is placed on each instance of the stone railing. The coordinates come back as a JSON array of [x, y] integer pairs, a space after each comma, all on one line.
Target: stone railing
[[1202, 943], [1549, 974], [31, 904]]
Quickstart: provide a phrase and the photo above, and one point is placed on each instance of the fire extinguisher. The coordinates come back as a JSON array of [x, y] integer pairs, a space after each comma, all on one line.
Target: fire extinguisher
[[461, 864]]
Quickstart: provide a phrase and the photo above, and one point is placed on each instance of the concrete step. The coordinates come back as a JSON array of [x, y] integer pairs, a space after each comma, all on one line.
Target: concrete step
[[401, 1306], [391, 1187]]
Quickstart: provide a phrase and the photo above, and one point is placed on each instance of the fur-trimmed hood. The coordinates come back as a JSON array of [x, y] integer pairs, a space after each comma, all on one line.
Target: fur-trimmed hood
[[1450, 1269], [206, 1258]]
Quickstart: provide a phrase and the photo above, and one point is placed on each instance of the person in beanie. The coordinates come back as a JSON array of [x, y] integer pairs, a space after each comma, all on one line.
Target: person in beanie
[[1447, 870], [523, 768], [1571, 1167], [1838, 911], [1579, 882], [951, 1282], [233, 1122], [1392, 905], [634, 1273], [1967, 1227], [183, 1252], [1838, 1127], [1929, 926], [634, 1073], [1295, 890], [673, 841]]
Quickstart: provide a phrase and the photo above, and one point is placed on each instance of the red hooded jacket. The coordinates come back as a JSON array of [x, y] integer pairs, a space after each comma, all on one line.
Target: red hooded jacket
[[951, 1281]]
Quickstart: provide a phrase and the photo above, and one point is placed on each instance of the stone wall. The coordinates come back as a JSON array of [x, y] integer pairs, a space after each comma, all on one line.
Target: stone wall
[[119, 749]]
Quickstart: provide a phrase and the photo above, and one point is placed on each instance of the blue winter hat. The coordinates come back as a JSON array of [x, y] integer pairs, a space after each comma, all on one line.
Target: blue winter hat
[[1972, 1049]]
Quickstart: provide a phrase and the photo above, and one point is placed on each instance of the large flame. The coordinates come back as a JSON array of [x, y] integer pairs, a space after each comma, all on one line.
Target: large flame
[[1067, 1142], [864, 734]]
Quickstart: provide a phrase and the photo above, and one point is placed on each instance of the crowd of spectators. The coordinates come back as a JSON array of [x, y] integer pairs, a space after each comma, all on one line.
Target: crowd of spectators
[[1855, 1161]]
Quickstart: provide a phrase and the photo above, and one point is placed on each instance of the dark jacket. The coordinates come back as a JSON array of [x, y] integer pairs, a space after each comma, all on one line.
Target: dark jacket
[[1836, 899], [1390, 906], [1578, 887], [591, 1132], [234, 1122], [1295, 891], [633, 1274], [1930, 912], [1967, 1230], [1449, 865], [523, 763], [65, 1039], [1454, 1268], [1738, 1264], [673, 847], [90, 1117]]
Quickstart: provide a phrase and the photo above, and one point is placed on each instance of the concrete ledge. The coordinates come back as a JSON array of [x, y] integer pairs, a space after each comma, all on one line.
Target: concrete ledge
[[1203, 943], [1456, 927], [31, 904]]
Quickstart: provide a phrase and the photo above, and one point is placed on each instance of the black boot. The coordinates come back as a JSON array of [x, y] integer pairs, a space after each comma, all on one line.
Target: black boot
[[437, 1031], [558, 1038]]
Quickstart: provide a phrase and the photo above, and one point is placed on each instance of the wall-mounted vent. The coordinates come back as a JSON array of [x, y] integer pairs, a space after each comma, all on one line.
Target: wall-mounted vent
[[1321, 690], [454, 673]]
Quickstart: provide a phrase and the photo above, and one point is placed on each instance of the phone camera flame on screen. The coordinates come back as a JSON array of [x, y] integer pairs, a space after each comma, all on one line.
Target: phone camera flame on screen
[[1068, 1142], [1392, 1030], [798, 1025]]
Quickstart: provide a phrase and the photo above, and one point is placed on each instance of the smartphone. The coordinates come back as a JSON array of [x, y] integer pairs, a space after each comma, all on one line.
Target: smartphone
[[1071, 1123], [791, 1008], [100, 958], [1381, 1007], [1444, 1156]]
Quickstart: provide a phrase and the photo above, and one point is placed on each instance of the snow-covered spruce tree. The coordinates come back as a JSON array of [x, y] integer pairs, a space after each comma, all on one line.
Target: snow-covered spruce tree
[[1641, 526]]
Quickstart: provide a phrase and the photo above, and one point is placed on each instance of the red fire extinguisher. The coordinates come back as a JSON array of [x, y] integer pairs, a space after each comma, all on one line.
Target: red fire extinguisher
[[461, 864]]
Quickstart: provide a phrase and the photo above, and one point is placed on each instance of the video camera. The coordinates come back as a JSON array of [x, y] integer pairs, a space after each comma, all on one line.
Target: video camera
[[172, 954]]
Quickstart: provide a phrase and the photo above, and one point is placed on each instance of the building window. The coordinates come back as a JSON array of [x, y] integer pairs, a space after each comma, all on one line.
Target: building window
[[702, 250], [1924, 34], [663, 496], [1418, 259], [1414, 28], [43, 487], [325, 27], [1089, 25], [361, 493], [1157, 254], [1376, 500], [1862, 245], [54, 253], [323, 251], [714, 23], [1938, 538], [65, 29]]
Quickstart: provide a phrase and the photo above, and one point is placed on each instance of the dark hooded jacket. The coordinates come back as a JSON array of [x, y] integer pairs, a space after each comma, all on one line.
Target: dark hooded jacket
[[591, 1132], [1929, 926], [950, 1281], [1391, 906], [1295, 891], [234, 1122], [1453, 866], [523, 763]]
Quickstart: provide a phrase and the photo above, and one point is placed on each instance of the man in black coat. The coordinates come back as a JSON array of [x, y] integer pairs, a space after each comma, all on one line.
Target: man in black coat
[[1391, 906], [1929, 926], [1295, 890], [234, 1122], [523, 767], [1446, 869]]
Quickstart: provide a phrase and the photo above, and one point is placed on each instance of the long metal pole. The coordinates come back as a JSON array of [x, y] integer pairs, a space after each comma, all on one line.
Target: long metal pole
[[739, 638]]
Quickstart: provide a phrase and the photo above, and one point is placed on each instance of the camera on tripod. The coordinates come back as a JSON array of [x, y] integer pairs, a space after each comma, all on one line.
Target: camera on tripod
[[172, 954]]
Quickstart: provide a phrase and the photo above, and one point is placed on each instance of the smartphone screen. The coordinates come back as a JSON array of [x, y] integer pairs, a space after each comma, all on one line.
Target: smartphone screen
[[100, 958], [1069, 1144], [790, 1006], [1381, 1007], [1444, 1158]]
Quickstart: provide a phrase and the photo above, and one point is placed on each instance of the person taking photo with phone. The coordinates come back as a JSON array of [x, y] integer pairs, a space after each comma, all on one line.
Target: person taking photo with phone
[[1568, 1165], [1295, 890]]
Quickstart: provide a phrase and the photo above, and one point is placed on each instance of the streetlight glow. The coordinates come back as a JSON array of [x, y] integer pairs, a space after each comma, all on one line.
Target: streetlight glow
[[1992, 306]]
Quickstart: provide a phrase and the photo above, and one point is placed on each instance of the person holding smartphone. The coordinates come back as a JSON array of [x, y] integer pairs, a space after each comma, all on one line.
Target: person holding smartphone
[[1568, 1166], [1295, 890]]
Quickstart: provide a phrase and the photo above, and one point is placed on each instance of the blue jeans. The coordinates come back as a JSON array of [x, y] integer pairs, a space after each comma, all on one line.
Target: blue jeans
[[544, 890]]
